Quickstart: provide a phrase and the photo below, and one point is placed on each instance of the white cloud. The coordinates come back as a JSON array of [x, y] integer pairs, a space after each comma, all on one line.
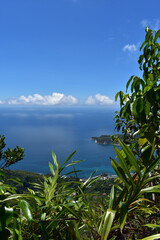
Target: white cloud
[[54, 99], [131, 48], [90, 100], [58, 99], [153, 24], [99, 99]]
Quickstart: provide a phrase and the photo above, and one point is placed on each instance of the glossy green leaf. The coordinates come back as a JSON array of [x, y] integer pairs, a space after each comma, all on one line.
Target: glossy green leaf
[[108, 221], [138, 106], [55, 159], [120, 172], [129, 81], [152, 237], [117, 95], [26, 209], [143, 44], [51, 168], [111, 200], [154, 189], [90, 181], [130, 156], [152, 225], [150, 179], [123, 164], [147, 88]]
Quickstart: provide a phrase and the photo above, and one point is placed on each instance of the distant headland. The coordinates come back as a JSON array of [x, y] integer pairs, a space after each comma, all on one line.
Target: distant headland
[[107, 139]]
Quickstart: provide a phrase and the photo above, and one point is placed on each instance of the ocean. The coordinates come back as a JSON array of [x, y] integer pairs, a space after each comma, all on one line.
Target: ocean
[[41, 130]]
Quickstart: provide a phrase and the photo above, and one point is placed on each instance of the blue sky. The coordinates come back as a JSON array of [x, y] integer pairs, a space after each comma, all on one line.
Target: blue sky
[[71, 51]]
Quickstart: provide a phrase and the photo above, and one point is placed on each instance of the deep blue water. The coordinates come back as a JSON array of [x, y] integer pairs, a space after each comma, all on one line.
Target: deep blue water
[[39, 130]]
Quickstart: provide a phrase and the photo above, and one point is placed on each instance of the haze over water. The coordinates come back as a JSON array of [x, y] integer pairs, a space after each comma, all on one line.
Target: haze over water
[[39, 130]]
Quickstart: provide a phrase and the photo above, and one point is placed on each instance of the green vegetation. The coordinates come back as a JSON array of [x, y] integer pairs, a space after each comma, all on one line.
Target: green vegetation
[[99, 187], [66, 208], [10, 156], [27, 178]]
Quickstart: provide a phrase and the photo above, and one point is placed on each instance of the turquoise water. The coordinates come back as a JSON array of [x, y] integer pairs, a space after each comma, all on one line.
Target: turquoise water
[[39, 130]]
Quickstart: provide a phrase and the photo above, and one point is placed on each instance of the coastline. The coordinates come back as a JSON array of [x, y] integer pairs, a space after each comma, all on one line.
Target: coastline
[[106, 140]]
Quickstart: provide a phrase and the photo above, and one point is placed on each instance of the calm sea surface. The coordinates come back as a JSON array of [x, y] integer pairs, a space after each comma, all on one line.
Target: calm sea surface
[[39, 130]]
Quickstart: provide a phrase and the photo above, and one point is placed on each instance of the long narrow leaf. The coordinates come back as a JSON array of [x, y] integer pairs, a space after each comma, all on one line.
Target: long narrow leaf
[[17, 180], [150, 179], [152, 165], [88, 181], [74, 213], [26, 209], [123, 215], [73, 163], [154, 189], [108, 221], [54, 159], [69, 157], [123, 165], [152, 225], [152, 237], [51, 168], [120, 172], [111, 200], [130, 156], [87, 184]]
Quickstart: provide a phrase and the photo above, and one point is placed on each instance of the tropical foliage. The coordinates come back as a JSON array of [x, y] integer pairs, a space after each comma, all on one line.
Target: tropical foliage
[[56, 208], [9, 156]]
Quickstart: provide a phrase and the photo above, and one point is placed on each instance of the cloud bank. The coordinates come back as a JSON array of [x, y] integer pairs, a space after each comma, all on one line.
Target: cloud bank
[[58, 99], [99, 99], [37, 99]]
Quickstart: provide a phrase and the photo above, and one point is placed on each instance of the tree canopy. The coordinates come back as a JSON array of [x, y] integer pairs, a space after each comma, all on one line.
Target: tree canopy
[[9, 156], [139, 116]]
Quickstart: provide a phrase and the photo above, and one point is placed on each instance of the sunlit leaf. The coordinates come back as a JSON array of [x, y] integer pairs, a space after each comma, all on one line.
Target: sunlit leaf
[[111, 197], [120, 172], [51, 168], [108, 221], [55, 159], [152, 237], [26, 209], [123, 165]]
